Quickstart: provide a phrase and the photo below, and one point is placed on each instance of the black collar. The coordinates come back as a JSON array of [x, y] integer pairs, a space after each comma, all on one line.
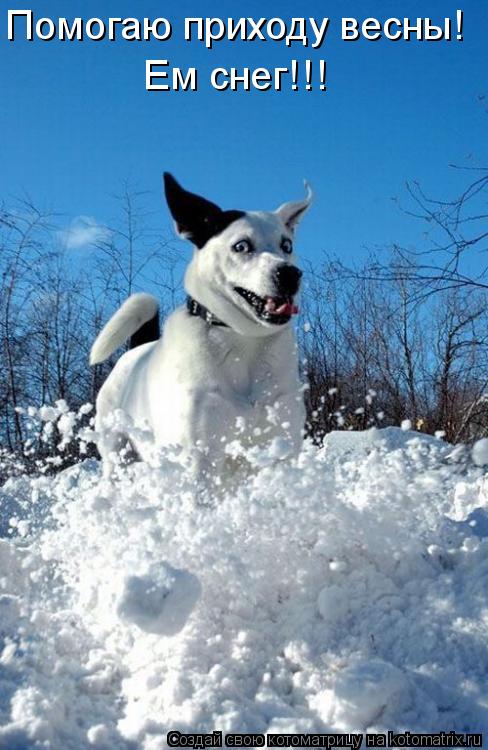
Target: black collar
[[195, 308]]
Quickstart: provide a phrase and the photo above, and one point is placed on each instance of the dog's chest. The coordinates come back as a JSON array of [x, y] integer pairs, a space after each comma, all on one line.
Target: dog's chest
[[250, 371], [250, 380]]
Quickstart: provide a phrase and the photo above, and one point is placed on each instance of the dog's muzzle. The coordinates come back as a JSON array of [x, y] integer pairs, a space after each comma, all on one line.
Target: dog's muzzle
[[279, 308]]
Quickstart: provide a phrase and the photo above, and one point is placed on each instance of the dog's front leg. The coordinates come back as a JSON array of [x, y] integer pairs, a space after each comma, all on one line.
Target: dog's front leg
[[206, 476], [213, 421]]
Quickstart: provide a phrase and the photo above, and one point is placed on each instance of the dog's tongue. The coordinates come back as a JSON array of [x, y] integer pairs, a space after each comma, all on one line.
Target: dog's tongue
[[286, 308]]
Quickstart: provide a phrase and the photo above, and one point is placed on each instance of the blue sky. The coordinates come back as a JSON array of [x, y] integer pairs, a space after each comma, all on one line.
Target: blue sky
[[76, 121]]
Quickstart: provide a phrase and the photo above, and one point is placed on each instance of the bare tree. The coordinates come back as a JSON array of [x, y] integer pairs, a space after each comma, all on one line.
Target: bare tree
[[453, 255], [376, 354], [23, 231], [53, 303]]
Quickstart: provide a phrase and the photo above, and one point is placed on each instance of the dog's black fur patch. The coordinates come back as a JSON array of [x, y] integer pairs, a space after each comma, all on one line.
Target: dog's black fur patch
[[196, 217], [150, 331]]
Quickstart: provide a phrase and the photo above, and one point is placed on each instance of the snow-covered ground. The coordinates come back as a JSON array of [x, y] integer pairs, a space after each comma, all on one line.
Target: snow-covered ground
[[344, 591]]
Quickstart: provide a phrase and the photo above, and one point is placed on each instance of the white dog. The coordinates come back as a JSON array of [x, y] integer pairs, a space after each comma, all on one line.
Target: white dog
[[226, 364]]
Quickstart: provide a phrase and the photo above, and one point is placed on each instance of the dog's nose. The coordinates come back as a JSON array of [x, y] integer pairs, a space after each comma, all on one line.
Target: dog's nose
[[288, 279]]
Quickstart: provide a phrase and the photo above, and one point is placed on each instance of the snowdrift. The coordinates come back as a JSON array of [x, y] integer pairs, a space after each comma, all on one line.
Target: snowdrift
[[343, 591]]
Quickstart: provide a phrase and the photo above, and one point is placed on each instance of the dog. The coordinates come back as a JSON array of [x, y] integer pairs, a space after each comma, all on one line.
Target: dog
[[226, 366]]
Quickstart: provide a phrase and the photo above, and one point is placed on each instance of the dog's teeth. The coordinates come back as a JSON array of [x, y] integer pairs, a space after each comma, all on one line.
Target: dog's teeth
[[266, 307]]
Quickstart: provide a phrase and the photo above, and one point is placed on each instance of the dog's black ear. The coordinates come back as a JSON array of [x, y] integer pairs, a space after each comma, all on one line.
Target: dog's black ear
[[195, 217]]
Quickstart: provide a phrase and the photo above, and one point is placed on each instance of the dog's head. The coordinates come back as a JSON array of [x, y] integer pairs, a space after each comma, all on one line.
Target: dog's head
[[243, 270]]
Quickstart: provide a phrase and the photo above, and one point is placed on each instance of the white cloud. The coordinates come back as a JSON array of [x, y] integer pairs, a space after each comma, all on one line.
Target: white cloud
[[84, 231]]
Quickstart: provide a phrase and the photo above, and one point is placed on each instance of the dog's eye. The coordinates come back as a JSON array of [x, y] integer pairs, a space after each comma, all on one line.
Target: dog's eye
[[243, 246], [286, 245]]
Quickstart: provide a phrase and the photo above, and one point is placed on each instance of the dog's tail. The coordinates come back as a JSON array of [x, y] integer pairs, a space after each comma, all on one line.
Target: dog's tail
[[138, 318]]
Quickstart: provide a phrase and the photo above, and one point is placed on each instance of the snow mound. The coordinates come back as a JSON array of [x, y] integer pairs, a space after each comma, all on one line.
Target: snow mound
[[341, 591]]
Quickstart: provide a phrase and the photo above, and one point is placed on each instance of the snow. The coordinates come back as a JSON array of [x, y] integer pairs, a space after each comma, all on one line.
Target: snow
[[158, 601], [341, 591], [480, 452]]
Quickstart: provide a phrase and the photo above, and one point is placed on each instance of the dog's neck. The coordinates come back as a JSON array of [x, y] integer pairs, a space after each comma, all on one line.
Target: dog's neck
[[195, 308]]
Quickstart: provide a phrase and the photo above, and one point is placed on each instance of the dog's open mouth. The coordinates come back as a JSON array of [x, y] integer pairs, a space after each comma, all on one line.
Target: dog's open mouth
[[276, 310]]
